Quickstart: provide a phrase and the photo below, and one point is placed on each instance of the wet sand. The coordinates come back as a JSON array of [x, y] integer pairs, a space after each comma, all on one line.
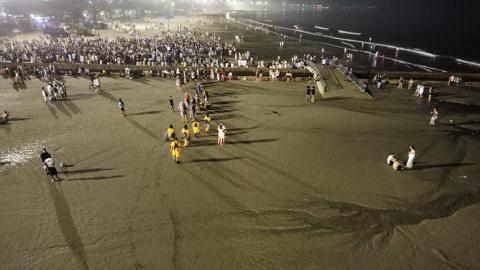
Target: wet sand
[[297, 186]]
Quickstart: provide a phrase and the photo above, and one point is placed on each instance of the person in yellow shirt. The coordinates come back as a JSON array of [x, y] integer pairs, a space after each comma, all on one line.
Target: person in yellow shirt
[[186, 136], [170, 134], [175, 150], [207, 120], [196, 128]]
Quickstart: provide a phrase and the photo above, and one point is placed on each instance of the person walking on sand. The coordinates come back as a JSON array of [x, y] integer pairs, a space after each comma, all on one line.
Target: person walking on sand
[[411, 157], [307, 94], [400, 83], [186, 136], [44, 94], [170, 133], [121, 105], [430, 93], [207, 120], [51, 170], [221, 134], [434, 117], [312, 92], [171, 103], [196, 128], [183, 111], [43, 156], [410, 84], [421, 89], [175, 150]]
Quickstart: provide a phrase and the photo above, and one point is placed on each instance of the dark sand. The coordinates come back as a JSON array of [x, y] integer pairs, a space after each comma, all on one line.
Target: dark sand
[[297, 186]]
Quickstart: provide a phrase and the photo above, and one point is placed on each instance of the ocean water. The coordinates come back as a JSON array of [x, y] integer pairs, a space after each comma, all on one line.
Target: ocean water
[[444, 39]]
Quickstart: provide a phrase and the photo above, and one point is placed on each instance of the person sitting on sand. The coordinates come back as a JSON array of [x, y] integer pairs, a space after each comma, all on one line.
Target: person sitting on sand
[[391, 158], [397, 165], [393, 161], [4, 118]]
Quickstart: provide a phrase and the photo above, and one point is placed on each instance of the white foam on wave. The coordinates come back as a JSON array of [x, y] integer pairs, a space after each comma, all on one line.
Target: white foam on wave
[[410, 50], [322, 28], [348, 44], [471, 63], [349, 33], [426, 68]]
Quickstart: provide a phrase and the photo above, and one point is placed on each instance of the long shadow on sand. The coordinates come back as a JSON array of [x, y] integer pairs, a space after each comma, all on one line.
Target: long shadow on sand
[[94, 178], [18, 118], [72, 107], [87, 170], [144, 113], [205, 143], [432, 166], [61, 107], [67, 226], [212, 160], [52, 111], [333, 98], [145, 130]]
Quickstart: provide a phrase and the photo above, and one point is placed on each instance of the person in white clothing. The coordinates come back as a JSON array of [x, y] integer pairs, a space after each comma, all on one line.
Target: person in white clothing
[[50, 168], [221, 134], [434, 116], [411, 157], [391, 158]]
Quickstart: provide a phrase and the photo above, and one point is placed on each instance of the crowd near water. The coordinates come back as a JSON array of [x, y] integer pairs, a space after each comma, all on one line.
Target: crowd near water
[[188, 54]]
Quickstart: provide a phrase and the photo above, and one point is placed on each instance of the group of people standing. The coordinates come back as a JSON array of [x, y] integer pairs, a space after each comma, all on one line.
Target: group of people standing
[[455, 80], [54, 91], [190, 104]]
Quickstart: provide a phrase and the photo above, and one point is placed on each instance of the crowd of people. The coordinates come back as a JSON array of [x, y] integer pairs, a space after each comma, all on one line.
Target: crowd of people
[[54, 91], [455, 81], [187, 109], [180, 47]]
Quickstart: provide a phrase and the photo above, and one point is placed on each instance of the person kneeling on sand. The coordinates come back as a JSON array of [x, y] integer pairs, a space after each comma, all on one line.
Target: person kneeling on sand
[[4, 118], [397, 165], [393, 161], [391, 158]]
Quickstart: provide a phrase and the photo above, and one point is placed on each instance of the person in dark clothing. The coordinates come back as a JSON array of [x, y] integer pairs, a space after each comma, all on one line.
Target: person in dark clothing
[[43, 156], [171, 104], [307, 94]]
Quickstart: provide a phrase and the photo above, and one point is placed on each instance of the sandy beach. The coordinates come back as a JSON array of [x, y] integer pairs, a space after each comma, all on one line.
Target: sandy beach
[[297, 185]]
